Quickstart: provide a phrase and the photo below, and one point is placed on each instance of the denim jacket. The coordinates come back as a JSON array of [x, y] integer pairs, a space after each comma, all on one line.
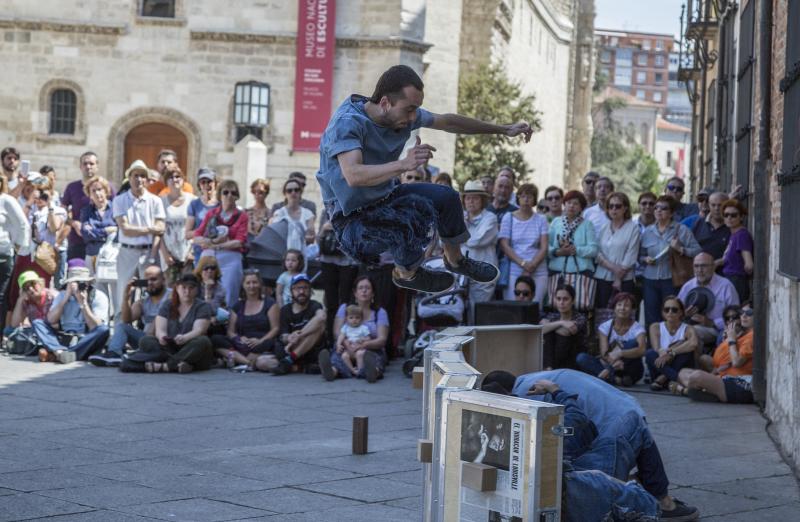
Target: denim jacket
[[654, 242]]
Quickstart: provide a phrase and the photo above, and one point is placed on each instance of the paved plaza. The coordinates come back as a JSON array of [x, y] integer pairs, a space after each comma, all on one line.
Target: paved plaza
[[79, 443]]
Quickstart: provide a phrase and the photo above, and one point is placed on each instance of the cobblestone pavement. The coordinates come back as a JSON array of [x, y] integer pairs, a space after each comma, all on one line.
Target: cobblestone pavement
[[79, 443]]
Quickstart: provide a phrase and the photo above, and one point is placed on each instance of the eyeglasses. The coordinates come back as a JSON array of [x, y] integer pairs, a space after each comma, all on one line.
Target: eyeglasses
[[730, 318], [675, 188], [671, 310], [748, 312], [251, 271], [290, 190], [662, 207], [523, 293], [730, 214], [554, 198], [615, 206], [259, 192], [210, 267], [230, 193], [415, 178], [646, 203]]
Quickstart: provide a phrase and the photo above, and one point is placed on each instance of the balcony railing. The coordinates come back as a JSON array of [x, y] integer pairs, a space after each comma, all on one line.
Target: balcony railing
[[702, 20]]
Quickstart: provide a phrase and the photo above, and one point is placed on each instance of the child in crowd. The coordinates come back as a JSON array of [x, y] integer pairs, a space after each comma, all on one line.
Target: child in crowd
[[353, 333], [293, 263]]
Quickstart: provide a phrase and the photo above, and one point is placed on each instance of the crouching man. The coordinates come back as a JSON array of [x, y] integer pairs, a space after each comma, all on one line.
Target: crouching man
[[75, 327]]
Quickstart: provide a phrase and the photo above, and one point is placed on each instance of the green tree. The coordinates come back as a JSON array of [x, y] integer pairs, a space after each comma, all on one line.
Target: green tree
[[615, 153], [486, 94]]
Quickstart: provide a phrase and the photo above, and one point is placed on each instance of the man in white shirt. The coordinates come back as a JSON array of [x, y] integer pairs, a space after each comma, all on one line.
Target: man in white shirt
[[597, 213], [140, 217]]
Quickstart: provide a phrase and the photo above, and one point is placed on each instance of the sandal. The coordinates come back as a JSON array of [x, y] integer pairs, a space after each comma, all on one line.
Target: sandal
[[676, 388], [184, 367], [659, 384], [156, 367]]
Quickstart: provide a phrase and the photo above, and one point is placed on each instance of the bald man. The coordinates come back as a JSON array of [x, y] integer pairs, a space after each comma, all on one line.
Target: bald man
[[710, 323]]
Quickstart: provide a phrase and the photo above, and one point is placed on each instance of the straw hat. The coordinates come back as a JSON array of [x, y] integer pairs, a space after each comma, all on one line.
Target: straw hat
[[474, 187], [137, 165]]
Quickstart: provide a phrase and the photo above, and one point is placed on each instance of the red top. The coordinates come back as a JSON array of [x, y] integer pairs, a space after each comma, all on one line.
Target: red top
[[237, 225]]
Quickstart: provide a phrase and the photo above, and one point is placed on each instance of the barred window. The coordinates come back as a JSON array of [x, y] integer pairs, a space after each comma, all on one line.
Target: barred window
[[158, 8], [789, 175], [63, 111]]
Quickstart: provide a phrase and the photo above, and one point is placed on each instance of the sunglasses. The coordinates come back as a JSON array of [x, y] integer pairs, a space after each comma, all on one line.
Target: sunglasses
[[230, 193], [589, 181], [671, 310], [662, 207], [646, 203], [523, 293], [730, 318], [675, 188], [748, 312], [210, 267], [615, 206], [415, 178], [730, 214], [259, 192], [554, 198], [290, 190]]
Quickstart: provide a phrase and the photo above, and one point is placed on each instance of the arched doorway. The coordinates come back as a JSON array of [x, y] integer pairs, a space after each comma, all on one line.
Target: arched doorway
[[145, 141]]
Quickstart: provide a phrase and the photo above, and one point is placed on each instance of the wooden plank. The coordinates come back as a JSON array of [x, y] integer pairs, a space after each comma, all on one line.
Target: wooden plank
[[425, 451], [418, 378], [360, 435], [478, 477]]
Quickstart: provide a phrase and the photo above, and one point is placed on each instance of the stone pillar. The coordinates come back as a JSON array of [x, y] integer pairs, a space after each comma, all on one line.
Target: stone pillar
[[249, 163], [579, 155]]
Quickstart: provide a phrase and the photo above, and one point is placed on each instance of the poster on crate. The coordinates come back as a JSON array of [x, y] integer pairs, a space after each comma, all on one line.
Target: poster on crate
[[497, 441]]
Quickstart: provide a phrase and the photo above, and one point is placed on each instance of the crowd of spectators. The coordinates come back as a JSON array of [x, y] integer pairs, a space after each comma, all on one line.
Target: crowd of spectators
[[183, 297]]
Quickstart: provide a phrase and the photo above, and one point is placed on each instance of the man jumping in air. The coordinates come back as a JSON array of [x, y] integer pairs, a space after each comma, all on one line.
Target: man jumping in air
[[370, 210]]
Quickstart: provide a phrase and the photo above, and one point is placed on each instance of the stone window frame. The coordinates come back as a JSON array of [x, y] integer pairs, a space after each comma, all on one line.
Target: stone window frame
[[179, 20], [45, 97]]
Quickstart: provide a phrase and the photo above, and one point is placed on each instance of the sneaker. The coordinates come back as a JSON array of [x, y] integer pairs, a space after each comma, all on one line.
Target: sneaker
[[65, 356], [46, 355], [242, 368], [325, 366], [370, 367], [478, 271], [681, 512], [109, 359], [284, 366], [427, 281], [701, 395]]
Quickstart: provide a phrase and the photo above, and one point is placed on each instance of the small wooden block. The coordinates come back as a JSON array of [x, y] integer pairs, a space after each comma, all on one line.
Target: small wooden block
[[478, 477], [360, 435], [425, 451], [418, 377]]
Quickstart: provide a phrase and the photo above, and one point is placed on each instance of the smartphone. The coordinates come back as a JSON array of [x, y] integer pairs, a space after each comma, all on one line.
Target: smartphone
[[24, 168], [140, 283]]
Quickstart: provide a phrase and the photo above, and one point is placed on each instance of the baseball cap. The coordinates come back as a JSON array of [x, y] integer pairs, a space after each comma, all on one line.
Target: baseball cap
[[299, 278], [206, 173], [27, 277]]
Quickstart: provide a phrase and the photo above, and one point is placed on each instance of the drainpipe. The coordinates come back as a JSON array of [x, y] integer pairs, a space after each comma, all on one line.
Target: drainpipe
[[761, 219]]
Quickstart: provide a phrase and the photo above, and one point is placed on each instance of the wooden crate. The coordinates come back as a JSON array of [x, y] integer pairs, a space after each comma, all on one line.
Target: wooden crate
[[514, 348]]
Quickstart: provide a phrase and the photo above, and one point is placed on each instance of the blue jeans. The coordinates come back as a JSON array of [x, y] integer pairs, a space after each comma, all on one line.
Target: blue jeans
[[89, 343], [124, 333], [592, 365], [671, 369], [342, 371], [655, 291], [401, 224], [594, 495]]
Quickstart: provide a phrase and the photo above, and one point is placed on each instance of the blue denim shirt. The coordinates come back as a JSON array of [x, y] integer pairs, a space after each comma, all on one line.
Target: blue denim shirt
[[351, 128], [93, 227], [655, 242]]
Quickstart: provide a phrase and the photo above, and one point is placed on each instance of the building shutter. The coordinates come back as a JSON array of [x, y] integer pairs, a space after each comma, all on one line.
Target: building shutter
[[789, 175], [63, 111], [710, 129], [744, 96], [727, 76]]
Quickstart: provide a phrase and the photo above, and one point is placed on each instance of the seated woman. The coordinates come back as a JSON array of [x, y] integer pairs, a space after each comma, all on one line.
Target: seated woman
[[731, 375], [252, 327], [376, 319], [212, 292], [672, 345], [564, 331], [524, 289], [180, 343], [622, 342]]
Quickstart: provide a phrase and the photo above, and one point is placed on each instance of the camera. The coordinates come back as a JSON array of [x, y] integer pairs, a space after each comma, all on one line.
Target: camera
[[83, 286], [139, 283]]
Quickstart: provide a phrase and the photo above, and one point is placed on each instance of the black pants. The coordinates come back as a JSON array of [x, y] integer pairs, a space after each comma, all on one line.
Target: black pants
[[560, 351], [337, 283], [742, 286], [197, 352], [605, 291], [223, 341], [6, 269], [76, 250]]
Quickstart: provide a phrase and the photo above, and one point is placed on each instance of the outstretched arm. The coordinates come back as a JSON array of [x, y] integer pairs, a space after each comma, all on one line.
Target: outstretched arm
[[458, 124]]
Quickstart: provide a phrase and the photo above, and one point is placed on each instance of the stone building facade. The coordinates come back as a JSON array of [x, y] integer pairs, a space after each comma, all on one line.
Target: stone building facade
[[743, 62], [139, 82]]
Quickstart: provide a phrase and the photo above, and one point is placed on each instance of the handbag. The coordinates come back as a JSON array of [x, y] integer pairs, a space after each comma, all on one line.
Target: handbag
[[584, 284], [106, 262], [682, 268], [46, 256]]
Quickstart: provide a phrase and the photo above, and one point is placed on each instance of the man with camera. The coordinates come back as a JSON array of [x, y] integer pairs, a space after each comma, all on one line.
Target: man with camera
[[76, 323], [145, 310]]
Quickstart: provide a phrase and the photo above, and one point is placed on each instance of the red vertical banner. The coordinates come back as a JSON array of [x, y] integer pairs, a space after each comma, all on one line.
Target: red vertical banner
[[313, 84]]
